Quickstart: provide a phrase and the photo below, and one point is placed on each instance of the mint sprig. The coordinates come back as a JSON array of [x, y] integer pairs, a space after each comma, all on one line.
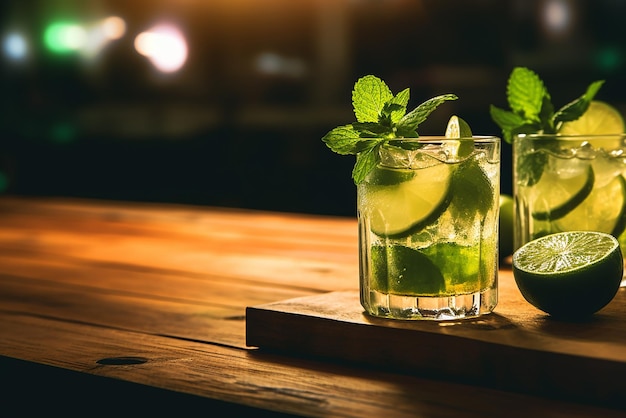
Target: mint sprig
[[381, 118], [531, 106]]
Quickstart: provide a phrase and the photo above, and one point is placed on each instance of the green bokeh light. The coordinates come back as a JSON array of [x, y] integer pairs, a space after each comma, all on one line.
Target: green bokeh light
[[64, 37], [609, 58], [63, 132]]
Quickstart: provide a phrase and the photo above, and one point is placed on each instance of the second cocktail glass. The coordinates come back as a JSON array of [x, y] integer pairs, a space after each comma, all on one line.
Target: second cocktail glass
[[569, 182]]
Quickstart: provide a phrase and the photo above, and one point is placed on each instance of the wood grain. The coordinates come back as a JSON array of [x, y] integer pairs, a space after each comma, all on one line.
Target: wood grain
[[515, 348], [87, 285]]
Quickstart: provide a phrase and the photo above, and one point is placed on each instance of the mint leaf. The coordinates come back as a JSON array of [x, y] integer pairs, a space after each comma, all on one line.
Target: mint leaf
[[576, 108], [372, 130], [411, 120], [366, 161], [525, 93], [346, 140], [369, 96], [381, 118], [531, 168], [546, 116], [391, 113], [506, 120], [401, 99], [531, 106]]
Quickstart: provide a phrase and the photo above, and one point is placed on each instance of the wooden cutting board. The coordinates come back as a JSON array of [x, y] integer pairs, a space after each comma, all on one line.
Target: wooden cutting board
[[517, 347]]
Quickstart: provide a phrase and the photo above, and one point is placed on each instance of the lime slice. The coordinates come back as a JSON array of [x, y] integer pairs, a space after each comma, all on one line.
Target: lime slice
[[385, 176], [569, 274], [556, 195], [398, 211], [402, 270], [458, 128], [472, 191], [603, 210], [599, 119]]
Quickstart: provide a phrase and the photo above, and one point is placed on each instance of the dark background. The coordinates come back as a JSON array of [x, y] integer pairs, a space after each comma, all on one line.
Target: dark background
[[239, 125]]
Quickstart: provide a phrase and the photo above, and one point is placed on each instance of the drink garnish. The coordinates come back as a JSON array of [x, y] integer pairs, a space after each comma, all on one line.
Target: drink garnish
[[381, 118], [458, 128], [532, 110]]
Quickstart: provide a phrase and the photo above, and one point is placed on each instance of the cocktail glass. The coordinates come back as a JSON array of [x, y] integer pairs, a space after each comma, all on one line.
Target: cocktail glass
[[428, 229], [567, 183]]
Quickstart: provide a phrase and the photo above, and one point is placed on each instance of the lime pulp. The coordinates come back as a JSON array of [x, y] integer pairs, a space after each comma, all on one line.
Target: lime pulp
[[569, 274]]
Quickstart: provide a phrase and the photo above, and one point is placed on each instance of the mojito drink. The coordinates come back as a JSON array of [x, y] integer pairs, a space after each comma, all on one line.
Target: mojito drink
[[569, 183], [428, 229]]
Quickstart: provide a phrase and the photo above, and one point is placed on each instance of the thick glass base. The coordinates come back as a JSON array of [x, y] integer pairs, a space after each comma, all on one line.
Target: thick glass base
[[428, 307]]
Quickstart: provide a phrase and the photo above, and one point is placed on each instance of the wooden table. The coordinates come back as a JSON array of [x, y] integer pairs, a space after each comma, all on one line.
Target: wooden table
[[114, 308]]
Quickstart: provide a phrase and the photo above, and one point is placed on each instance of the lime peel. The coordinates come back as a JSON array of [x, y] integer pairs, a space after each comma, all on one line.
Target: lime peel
[[560, 210], [458, 128], [600, 118]]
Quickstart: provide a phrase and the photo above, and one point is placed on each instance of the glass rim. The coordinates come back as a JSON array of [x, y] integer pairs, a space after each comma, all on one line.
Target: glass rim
[[442, 138], [569, 136]]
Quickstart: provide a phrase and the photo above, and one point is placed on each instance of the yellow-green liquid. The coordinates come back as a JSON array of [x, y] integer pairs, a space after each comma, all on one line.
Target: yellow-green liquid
[[563, 184], [422, 269]]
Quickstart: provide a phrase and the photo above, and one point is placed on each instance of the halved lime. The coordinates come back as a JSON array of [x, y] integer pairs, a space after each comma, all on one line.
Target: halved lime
[[555, 195], [399, 210], [402, 270], [569, 274], [458, 128], [603, 210]]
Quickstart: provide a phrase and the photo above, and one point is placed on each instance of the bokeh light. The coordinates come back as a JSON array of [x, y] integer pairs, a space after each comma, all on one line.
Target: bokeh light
[[15, 46], [63, 37], [558, 17], [114, 27], [165, 46], [88, 39]]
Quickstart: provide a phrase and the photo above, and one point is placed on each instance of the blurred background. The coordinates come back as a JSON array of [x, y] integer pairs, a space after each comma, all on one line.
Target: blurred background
[[224, 102]]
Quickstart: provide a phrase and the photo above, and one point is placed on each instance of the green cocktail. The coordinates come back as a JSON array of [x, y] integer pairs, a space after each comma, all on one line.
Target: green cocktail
[[569, 183], [428, 229], [569, 163], [427, 208]]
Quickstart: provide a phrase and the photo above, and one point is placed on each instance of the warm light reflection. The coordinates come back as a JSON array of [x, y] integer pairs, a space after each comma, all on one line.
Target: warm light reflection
[[557, 16], [88, 39], [102, 33], [165, 46], [113, 27]]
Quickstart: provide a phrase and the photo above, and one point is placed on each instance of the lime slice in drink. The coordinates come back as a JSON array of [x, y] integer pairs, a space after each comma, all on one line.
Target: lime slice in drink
[[599, 119], [397, 211], [603, 210], [385, 176], [472, 191], [556, 195], [569, 274], [402, 270], [458, 128]]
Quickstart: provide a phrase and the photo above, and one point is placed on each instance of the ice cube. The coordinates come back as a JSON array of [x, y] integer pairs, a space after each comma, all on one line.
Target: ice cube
[[566, 168]]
